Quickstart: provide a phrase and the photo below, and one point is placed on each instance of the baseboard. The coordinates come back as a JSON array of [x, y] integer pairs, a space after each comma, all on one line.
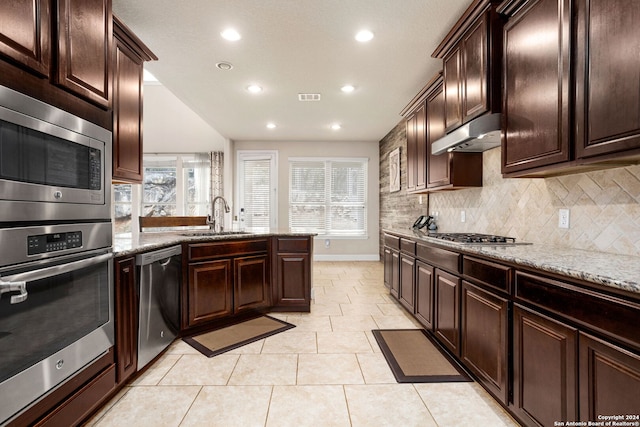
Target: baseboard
[[354, 257]]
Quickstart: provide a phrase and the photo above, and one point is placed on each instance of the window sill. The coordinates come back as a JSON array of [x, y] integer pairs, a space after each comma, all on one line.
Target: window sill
[[340, 237]]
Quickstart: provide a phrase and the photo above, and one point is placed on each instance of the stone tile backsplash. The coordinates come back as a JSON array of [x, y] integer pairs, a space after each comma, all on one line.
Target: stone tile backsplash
[[604, 205]]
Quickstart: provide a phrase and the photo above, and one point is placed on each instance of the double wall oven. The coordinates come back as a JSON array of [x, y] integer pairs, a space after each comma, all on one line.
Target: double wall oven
[[56, 267]]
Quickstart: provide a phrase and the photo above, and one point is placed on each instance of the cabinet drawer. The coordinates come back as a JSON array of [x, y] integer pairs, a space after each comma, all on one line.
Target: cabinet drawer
[[439, 257], [202, 251], [392, 241], [408, 246], [83, 402], [607, 314], [300, 244], [487, 273]]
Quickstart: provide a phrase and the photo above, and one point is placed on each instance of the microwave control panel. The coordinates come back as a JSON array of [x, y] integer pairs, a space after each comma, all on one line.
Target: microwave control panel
[[53, 242]]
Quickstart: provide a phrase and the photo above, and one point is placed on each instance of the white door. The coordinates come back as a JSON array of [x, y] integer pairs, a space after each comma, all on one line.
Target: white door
[[257, 188]]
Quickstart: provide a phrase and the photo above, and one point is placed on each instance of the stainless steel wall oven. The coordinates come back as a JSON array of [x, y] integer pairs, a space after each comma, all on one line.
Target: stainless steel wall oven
[[56, 267]]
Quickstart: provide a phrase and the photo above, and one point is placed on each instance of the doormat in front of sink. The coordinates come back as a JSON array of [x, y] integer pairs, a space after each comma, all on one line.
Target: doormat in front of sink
[[231, 337], [414, 357]]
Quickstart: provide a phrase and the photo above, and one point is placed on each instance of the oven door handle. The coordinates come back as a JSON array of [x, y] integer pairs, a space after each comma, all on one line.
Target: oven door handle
[[18, 282], [12, 287]]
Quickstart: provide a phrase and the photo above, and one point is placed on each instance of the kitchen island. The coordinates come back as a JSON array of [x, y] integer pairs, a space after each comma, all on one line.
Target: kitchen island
[[550, 332]]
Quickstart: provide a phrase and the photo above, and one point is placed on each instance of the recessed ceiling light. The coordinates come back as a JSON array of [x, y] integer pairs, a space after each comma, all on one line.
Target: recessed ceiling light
[[347, 88], [271, 125], [254, 88], [224, 66], [336, 126], [231, 35], [364, 35]]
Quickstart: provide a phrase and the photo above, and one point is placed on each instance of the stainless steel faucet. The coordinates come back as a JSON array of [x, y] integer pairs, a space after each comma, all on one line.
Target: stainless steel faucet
[[211, 220]]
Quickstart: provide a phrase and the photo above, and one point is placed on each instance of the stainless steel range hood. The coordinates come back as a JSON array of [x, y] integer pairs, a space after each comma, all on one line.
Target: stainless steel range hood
[[480, 134]]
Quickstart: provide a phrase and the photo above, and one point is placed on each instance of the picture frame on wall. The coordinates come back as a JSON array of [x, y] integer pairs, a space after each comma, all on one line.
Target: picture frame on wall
[[394, 170]]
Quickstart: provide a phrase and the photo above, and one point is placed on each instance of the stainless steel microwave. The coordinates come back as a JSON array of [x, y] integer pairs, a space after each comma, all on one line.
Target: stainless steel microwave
[[53, 165]]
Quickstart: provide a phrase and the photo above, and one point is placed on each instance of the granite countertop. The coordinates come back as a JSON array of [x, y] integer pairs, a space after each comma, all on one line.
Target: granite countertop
[[133, 243], [611, 270]]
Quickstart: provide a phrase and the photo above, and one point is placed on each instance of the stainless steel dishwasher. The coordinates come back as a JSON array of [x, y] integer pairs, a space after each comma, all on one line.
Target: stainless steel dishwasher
[[159, 277]]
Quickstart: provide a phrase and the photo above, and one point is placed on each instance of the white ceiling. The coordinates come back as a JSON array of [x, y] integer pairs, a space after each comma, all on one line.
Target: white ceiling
[[290, 47]]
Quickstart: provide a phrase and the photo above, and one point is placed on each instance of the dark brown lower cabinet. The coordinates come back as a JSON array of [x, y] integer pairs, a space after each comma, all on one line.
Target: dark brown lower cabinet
[[424, 294], [395, 275], [609, 380], [74, 400], [126, 318], [485, 319], [292, 273], [210, 291], [447, 301], [544, 369], [549, 350], [251, 284], [81, 403], [406, 293], [388, 267], [292, 289]]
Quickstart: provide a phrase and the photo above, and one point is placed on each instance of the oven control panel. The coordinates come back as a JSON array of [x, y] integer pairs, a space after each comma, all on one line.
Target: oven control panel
[[53, 242]]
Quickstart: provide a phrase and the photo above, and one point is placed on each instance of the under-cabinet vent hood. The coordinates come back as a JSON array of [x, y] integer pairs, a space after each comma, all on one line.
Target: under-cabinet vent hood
[[480, 134]]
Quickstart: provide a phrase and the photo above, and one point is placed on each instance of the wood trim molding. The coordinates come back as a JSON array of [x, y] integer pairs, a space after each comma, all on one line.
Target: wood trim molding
[[171, 221]]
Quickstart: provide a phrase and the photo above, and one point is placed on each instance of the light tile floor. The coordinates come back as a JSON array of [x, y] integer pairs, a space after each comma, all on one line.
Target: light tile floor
[[327, 371]]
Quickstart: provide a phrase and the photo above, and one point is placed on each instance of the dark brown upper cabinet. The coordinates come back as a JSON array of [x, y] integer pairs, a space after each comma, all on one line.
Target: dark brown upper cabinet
[[449, 170], [417, 139], [25, 33], [607, 79], [59, 52], [426, 124], [536, 86], [571, 99], [84, 49], [129, 55], [416, 117], [453, 96], [472, 55]]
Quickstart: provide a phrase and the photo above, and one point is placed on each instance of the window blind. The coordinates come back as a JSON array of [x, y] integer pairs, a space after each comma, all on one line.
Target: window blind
[[328, 196], [257, 192]]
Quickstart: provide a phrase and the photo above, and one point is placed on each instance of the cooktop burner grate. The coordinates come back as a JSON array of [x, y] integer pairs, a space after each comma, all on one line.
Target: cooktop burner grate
[[473, 238]]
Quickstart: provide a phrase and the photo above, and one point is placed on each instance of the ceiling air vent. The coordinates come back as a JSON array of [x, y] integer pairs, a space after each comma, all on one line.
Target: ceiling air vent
[[308, 97]]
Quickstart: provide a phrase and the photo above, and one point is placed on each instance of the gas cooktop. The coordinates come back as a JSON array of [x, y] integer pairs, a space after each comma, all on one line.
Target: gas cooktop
[[475, 239]]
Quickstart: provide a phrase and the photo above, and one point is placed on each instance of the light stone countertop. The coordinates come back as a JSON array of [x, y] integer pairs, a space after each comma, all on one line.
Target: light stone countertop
[[130, 244], [611, 270]]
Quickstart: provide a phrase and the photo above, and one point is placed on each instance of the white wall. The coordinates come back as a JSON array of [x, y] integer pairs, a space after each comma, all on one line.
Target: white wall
[[172, 127], [339, 249], [169, 126]]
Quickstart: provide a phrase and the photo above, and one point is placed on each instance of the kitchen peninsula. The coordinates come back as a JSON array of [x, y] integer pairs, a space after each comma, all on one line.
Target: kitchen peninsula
[[224, 276]]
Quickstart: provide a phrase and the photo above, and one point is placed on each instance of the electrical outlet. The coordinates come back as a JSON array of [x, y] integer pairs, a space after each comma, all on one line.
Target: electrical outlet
[[419, 200], [327, 243], [563, 218], [463, 216]]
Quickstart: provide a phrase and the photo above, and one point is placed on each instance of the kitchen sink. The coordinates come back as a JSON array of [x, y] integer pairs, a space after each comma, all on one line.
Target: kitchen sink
[[213, 233]]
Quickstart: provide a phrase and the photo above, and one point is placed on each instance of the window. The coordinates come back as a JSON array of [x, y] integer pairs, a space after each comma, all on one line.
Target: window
[[176, 185], [328, 196], [172, 185], [159, 190], [122, 207], [257, 188]]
